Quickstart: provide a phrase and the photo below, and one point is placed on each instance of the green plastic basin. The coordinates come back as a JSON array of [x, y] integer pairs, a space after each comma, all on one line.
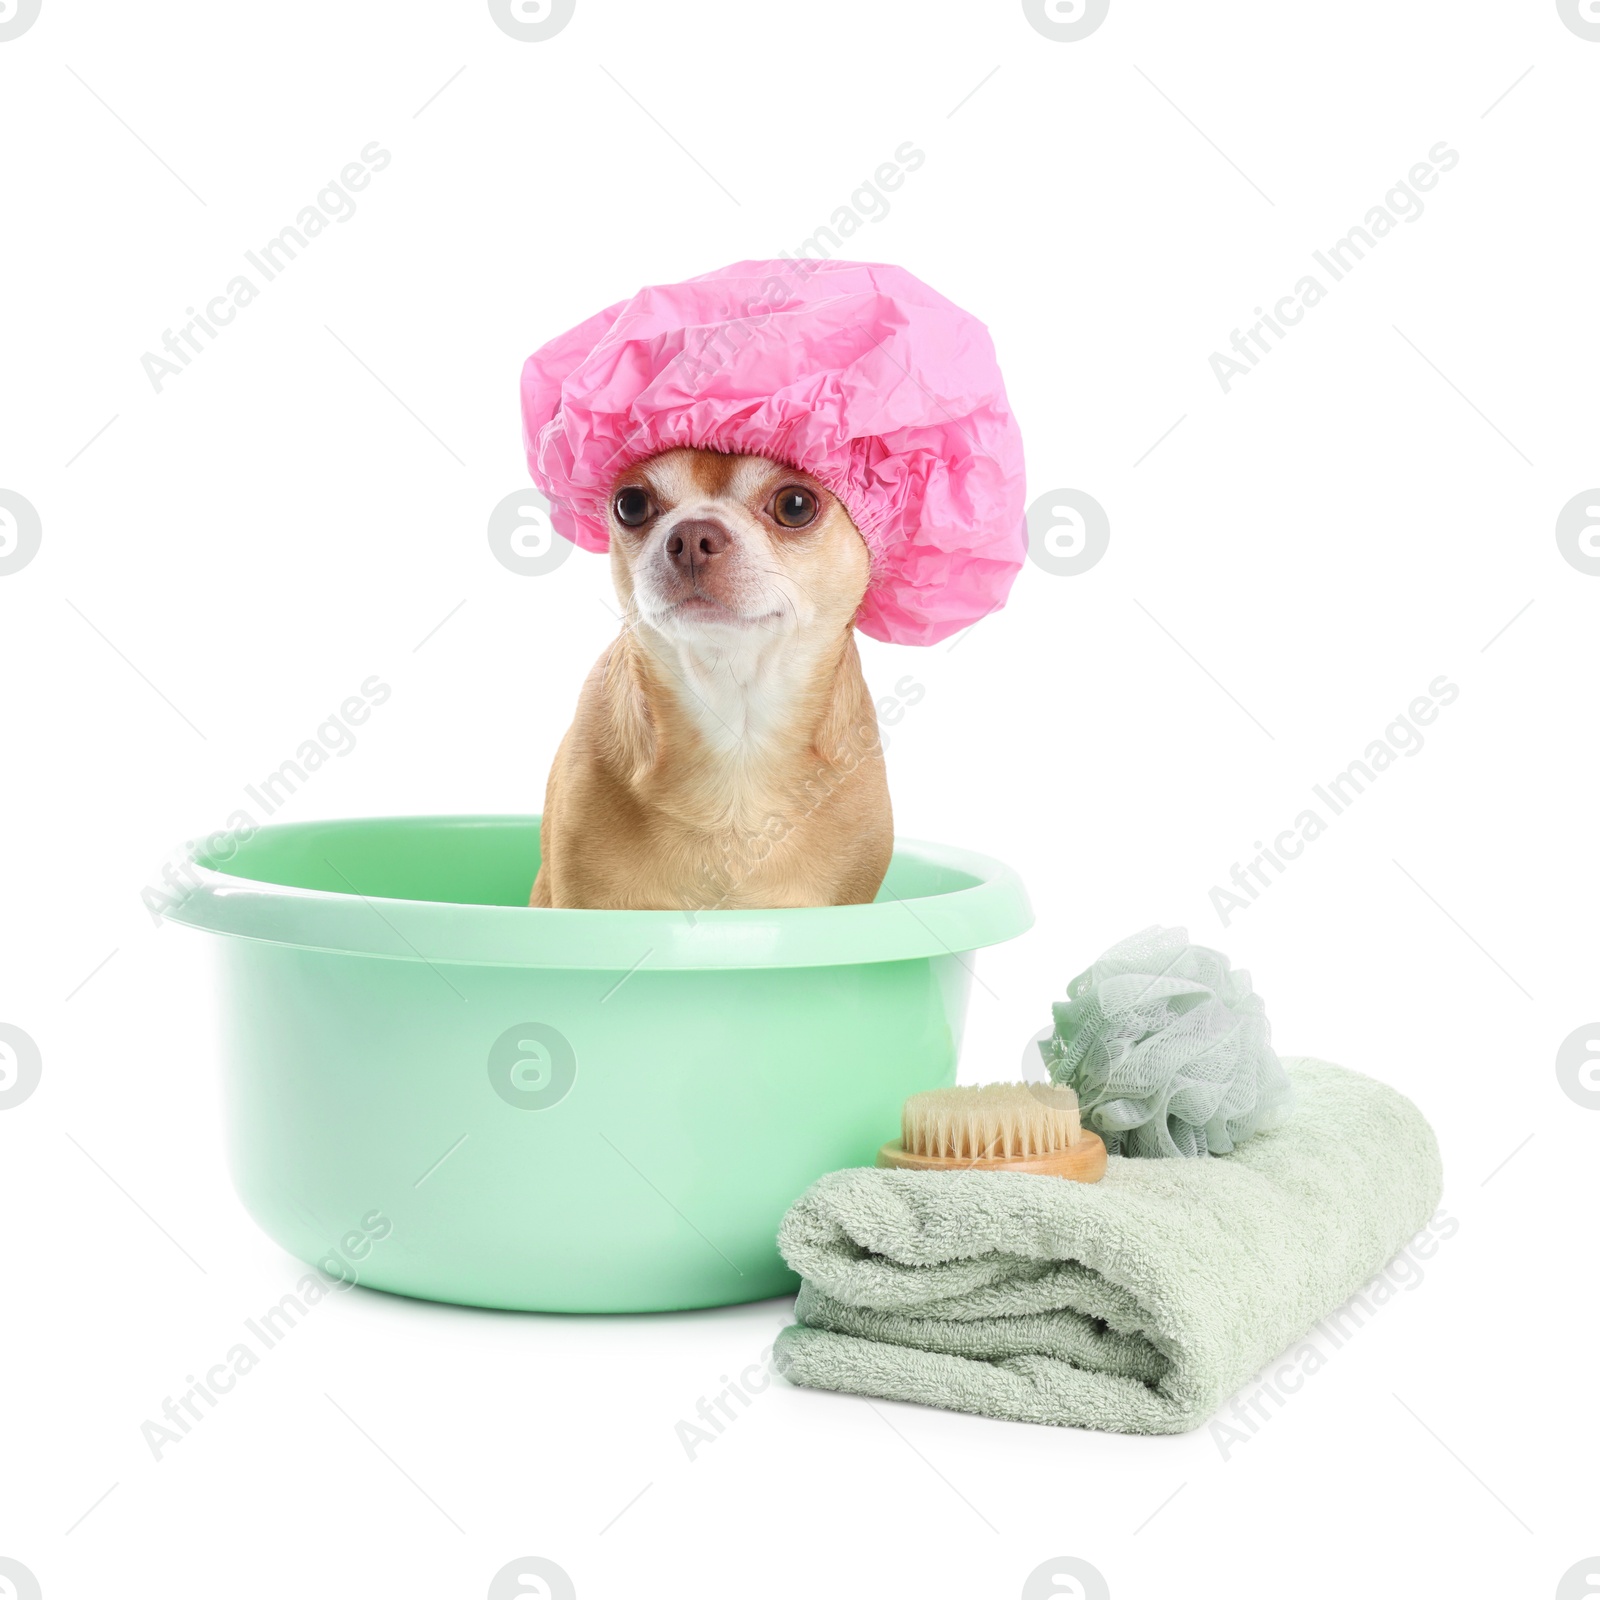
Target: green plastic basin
[[435, 1090]]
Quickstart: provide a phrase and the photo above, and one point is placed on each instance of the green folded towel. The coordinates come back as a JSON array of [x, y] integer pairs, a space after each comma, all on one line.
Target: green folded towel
[[1135, 1304]]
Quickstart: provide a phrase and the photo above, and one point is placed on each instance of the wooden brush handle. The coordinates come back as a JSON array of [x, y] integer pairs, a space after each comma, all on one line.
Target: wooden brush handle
[[1083, 1162]]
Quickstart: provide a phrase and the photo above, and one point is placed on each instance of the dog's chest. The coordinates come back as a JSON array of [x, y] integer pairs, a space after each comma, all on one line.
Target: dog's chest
[[745, 702]]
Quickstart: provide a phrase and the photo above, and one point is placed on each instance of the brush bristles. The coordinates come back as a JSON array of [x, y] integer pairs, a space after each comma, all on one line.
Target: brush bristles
[[991, 1121]]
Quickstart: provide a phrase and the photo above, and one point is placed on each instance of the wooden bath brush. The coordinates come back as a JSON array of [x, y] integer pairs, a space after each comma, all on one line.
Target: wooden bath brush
[[997, 1127]]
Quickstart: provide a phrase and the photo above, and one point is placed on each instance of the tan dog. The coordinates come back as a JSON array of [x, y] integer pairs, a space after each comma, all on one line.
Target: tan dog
[[725, 750]]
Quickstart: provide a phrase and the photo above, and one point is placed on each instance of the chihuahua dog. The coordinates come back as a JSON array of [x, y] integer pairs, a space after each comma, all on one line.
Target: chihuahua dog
[[725, 751]]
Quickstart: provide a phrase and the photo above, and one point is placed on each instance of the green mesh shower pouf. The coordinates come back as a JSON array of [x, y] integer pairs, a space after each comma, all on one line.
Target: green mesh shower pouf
[[1168, 1049]]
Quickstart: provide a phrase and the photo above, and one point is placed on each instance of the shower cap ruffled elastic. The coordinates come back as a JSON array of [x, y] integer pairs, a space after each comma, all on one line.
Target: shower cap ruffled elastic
[[1168, 1049], [860, 375]]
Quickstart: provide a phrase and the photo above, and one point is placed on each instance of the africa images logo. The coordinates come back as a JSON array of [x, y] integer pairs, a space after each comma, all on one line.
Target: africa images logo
[[1403, 203]]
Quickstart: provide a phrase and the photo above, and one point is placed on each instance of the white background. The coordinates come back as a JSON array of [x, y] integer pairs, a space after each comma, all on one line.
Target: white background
[[1288, 568]]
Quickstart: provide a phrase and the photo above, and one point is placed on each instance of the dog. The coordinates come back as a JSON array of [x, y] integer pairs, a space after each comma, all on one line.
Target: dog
[[725, 751]]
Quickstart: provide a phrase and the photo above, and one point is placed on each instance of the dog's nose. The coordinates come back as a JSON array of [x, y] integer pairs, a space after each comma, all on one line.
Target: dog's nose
[[696, 544]]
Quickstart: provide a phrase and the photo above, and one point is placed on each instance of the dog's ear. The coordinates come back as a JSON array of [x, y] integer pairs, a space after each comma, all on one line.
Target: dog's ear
[[848, 732], [633, 733]]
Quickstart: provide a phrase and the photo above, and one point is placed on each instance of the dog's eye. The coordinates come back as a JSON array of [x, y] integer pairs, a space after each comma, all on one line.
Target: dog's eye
[[794, 507], [632, 507]]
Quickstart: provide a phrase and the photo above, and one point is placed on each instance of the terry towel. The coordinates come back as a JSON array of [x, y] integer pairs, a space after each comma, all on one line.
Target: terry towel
[[1135, 1304]]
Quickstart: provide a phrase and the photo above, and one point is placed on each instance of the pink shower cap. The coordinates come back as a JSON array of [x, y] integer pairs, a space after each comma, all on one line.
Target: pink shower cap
[[858, 374]]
